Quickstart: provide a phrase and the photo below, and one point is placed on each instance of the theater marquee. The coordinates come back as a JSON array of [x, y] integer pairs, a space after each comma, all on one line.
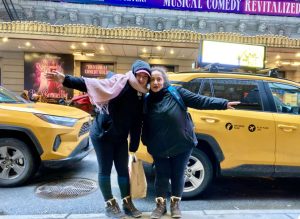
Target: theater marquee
[[255, 7]]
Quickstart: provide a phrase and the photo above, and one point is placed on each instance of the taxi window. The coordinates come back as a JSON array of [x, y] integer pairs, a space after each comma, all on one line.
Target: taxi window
[[286, 97], [193, 85], [8, 97], [245, 91], [206, 88]]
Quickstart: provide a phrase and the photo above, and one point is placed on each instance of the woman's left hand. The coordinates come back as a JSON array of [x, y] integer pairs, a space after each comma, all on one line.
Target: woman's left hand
[[230, 105]]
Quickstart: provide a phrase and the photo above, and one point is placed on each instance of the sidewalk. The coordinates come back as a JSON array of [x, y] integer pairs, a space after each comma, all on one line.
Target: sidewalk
[[204, 214]]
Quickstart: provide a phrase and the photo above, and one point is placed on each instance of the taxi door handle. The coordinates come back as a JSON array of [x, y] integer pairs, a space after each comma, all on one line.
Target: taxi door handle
[[209, 119], [287, 128]]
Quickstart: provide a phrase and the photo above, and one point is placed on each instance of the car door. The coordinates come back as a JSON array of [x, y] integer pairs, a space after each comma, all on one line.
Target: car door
[[287, 100], [246, 135]]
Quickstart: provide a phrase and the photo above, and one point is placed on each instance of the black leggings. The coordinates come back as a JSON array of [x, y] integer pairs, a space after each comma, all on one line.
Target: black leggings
[[171, 168], [111, 151]]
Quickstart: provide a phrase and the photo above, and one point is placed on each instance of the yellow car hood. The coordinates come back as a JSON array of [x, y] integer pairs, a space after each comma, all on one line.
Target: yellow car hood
[[45, 108]]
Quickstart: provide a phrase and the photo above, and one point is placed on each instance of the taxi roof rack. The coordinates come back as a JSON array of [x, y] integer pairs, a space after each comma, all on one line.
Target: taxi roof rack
[[217, 68]]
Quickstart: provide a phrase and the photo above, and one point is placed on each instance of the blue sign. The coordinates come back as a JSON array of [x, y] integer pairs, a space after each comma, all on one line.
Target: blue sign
[[257, 7]]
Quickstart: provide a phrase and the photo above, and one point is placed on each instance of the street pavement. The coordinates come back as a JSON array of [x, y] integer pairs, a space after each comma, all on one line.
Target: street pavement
[[204, 214], [247, 199]]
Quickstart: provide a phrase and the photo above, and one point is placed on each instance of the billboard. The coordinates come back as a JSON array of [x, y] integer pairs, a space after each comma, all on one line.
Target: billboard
[[232, 54], [35, 67], [255, 7]]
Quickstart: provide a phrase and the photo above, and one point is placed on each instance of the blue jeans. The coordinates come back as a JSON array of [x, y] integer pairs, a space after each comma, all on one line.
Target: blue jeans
[[110, 151], [171, 168]]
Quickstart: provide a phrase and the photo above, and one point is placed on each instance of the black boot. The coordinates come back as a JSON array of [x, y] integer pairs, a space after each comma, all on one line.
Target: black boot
[[161, 208], [112, 209], [129, 208], [174, 206]]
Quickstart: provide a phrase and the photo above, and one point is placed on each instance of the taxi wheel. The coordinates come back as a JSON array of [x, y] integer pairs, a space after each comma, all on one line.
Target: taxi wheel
[[17, 162], [198, 174]]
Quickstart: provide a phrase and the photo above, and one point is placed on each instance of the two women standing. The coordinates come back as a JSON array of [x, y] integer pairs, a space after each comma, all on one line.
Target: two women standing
[[167, 131]]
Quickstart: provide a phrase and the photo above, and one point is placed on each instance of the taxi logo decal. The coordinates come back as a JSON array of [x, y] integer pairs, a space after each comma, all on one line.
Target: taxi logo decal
[[228, 126], [251, 128]]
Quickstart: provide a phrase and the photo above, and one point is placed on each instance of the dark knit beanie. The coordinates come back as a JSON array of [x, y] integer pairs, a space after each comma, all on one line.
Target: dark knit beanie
[[141, 66]]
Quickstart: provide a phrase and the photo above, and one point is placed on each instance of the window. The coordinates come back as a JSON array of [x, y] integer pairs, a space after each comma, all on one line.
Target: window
[[9, 97], [245, 91], [206, 89], [193, 85], [286, 98]]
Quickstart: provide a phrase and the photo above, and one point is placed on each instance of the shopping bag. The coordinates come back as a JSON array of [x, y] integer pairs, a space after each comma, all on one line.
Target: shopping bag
[[138, 182]]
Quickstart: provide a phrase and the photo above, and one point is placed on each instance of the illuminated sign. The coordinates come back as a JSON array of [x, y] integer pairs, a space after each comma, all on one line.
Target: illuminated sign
[[232, 54], [257, 7], [95, 70], [35, 81]]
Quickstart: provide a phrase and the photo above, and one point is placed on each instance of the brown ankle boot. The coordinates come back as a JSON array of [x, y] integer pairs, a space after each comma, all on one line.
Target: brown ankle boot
[[129, 208], [112, 209], [174, 206], [161, 208]]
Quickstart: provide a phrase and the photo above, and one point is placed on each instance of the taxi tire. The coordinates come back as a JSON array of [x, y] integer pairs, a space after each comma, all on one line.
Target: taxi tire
[[30, 162], [207, 177]]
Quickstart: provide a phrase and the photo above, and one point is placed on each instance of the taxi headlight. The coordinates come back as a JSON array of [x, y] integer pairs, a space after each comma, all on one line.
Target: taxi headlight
[[58, 120]]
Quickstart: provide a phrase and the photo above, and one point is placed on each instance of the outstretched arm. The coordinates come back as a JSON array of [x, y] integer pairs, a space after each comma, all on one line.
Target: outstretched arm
[[203, 102], [67, 80]]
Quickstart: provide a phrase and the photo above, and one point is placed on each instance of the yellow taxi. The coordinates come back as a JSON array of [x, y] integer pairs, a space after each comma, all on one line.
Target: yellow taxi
[[36, 133], [260, 138]]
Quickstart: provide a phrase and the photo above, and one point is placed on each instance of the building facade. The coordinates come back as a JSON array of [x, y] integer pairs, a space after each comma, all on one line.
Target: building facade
[[116, 34]]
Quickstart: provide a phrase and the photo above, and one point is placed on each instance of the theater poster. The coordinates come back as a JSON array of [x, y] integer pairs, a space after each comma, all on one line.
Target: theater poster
[[96, 70], [35, 67]]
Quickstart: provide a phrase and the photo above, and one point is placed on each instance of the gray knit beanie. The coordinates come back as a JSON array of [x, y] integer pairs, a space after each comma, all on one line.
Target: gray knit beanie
[[140, 66]]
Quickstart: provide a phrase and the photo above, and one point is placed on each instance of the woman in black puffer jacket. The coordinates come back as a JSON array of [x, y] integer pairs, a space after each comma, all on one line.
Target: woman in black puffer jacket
[[109, 134], [169, 136]]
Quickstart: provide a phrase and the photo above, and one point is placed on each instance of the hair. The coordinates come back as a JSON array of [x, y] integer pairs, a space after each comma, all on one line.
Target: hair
[[163, 73]]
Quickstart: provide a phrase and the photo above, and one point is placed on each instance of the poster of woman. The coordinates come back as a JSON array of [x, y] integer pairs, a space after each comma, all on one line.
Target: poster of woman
[[35, 67]]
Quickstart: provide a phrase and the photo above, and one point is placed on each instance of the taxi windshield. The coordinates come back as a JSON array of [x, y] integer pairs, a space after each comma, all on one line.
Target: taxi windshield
[[7, 96]]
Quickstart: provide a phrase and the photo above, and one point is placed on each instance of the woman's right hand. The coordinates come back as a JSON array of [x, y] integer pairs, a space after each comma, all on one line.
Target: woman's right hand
[[55, 76]]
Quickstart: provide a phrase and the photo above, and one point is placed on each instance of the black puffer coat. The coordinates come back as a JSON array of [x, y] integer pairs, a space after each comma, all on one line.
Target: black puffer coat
[[125, 114], [166, 128]]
